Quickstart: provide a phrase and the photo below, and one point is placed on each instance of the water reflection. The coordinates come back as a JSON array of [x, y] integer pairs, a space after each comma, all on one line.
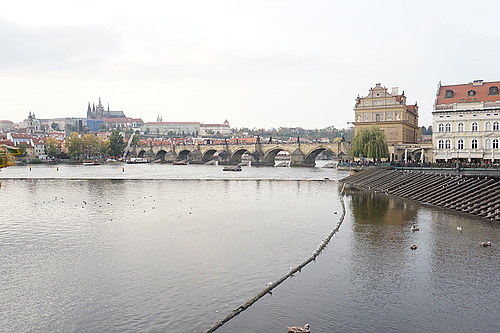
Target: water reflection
[[375, 208]]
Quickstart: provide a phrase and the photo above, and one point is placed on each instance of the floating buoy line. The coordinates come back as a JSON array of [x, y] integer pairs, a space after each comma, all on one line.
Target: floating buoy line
[[270, 286]]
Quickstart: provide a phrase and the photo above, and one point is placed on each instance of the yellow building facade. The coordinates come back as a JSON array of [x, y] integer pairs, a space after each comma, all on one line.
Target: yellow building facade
[[389, 112], [399, 121]]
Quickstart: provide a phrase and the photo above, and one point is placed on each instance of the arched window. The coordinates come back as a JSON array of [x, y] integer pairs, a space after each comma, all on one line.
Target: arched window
[[474, 126], [471, 93], [447, 144], [460, 144], [474, 144], [487, 126], [495, 143], [487, 144], [440, 144], [496, 126], [449, 93], [448, 127], [493, 90], [460, 127], [441, 128]]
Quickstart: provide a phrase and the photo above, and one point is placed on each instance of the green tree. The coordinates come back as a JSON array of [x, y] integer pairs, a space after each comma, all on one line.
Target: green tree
[[90, 145], [51, 147], [369, 143], [103, 146], [24, 152], [74, 145], [116, 143], [55, 126], [135, 140]]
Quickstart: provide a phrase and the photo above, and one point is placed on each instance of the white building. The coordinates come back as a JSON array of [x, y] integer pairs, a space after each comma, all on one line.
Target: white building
[[215, 129], [172, 128], [466, 122]]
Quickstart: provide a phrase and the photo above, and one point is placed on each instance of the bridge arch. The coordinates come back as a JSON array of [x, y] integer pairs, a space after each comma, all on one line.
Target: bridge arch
[[183, 155], [310, 157], [236, 156], [208, 155], [270, 156], [161, 155]]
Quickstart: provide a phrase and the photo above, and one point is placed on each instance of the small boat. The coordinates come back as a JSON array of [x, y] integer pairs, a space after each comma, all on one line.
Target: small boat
[[94, 162], [414, 228], [232, 168], [137, 160], [485, 244], [182, 162], [298, 329], [413, 246]]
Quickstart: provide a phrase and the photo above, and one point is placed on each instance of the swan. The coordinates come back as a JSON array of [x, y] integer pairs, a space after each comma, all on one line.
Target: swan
[[459, 228], [298, 329]]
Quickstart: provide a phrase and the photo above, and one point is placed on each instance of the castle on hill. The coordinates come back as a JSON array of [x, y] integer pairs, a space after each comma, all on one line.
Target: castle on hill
[[98, 112]]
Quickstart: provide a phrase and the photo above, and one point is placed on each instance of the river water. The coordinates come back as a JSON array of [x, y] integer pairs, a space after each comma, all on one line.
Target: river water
[[163, 248]]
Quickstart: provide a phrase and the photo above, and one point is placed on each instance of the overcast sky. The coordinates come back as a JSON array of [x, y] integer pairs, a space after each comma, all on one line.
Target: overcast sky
[[261, 64]]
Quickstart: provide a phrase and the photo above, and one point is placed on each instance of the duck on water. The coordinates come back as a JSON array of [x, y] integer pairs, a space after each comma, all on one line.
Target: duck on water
[[299, 329]]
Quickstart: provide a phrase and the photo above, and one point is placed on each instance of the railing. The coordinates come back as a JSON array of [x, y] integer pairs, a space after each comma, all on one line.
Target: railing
[[450, 165]]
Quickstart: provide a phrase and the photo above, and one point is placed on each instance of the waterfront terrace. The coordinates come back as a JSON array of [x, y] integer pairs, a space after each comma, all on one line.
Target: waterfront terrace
[[477, 195]]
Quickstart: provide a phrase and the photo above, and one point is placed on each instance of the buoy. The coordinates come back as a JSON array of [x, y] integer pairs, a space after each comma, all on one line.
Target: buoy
[[123, 169], [57, 168]]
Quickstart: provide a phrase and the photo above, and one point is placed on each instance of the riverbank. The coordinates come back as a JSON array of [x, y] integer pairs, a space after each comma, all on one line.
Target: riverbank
[[476, 195]]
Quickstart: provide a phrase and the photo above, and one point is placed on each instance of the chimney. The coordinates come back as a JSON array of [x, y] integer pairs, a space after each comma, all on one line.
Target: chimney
[[395, 91]]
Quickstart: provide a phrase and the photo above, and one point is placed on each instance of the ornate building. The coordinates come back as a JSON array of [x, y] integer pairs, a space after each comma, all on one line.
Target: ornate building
[[466, 122], [31, 124], [389, 112], [399, 121], [98, 112]]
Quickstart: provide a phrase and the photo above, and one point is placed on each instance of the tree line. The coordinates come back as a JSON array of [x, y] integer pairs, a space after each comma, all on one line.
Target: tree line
[[87, 146]]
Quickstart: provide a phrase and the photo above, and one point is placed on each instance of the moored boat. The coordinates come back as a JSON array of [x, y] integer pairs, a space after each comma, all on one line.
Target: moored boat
[[93, 162], [137, 160], [232, 168]]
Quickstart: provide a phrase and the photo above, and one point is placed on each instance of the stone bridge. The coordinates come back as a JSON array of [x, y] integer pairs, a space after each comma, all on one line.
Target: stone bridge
[[301, 154]]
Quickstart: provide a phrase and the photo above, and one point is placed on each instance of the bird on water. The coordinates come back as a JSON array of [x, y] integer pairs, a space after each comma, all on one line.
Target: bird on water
[[299, 329]]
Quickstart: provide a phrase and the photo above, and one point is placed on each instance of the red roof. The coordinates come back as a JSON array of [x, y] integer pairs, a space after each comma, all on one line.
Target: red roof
[[412, 108], [472, 92]]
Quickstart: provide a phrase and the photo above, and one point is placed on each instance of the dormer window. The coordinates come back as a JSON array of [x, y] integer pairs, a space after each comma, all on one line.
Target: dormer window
[[471, 93], [449, 93], [493, 90]]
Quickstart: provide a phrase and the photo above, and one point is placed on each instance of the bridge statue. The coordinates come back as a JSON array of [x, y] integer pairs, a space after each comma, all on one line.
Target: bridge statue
[[301, 154]]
